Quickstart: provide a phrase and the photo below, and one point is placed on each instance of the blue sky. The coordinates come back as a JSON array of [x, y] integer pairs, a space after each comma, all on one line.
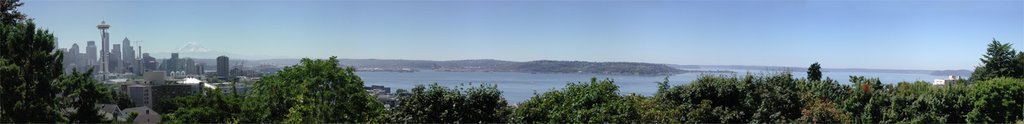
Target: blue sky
[[839, 34]]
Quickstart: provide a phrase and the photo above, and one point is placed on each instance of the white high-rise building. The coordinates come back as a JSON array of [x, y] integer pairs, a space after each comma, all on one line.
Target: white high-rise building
[[105, 51]]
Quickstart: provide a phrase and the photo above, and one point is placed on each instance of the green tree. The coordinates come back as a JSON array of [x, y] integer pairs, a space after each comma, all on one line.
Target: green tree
[[999, 100], [485, 104], [313, 91], [998, 61], [32, 87], [657, 109], [866, 100], [820, 99], [828, 90], [729, 99], [439, 104], [1019, 68], [822, 111], [597, 101], [10, 14], [955, 102], [774, 98], [83, 93], [121, 99], [913, 103], [814, 72], [712, 99], [209, 107], [30, 67]]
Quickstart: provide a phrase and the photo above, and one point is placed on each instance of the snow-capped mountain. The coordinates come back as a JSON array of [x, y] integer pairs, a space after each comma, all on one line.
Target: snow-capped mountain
[[196, 50]]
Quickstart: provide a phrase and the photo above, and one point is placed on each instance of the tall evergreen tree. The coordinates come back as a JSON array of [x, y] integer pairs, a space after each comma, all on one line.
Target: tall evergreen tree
[[29, 67], [83, 93], [814, 72], [32, 87], [1019, 67], [998, 61], [10, 14]]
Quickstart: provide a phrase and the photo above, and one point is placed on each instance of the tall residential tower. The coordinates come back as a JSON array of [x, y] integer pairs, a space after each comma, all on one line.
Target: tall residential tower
[[223, 67]]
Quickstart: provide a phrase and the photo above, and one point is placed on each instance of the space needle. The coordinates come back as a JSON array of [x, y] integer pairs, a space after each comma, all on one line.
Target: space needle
[[104, 53]]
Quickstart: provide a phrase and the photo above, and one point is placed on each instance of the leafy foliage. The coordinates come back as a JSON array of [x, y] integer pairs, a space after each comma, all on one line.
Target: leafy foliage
[[954, 102], [725, 99], [438, 104], [1000, 60], [83, 93], [866, 100], [597, 101], [209, 107], [913, 103], [8, 12], [814, 72], [998, 100], [313, 91], [34, 88], [822, 111], [30, 67]]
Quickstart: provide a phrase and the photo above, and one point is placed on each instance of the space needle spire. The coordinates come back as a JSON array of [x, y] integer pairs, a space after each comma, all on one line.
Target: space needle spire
[[105, 52]]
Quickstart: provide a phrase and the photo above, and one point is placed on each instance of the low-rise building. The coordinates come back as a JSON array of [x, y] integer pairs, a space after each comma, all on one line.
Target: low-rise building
[[226, 88], [171, 91], [383, 94], [111, 112], [948, 81], [140, 94]]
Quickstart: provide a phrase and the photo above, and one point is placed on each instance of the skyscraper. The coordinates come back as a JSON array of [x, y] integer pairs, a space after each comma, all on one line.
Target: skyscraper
[[127, 55], [222, 67], [90, 53], [190, 66], [76, 57], [148, 62], [172, 64], [104, 53], [115, 59], [201, 67], [66, 64]]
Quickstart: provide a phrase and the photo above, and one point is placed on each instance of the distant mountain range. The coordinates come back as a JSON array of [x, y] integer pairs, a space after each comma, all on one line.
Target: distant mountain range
[[195, 50], [966, 73], [539, 66], [490, 65]]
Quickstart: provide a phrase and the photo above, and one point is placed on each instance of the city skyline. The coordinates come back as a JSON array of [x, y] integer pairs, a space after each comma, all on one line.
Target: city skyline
[[868, 34]]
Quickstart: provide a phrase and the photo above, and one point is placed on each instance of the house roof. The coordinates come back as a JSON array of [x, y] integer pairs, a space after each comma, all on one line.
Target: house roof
[[146, 115], [110, 111]]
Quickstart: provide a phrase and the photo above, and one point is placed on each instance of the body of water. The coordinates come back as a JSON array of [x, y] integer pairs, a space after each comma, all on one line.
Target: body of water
[[517, 87]]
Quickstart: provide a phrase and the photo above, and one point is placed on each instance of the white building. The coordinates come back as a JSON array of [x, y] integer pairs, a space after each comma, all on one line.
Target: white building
[[155, 77], [949, 80]]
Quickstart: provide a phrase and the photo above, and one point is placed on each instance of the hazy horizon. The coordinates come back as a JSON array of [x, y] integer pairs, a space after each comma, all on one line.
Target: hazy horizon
[[927, 35]]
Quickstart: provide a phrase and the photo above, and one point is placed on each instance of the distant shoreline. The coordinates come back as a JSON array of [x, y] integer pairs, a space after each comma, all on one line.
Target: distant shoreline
[[491, 65]]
